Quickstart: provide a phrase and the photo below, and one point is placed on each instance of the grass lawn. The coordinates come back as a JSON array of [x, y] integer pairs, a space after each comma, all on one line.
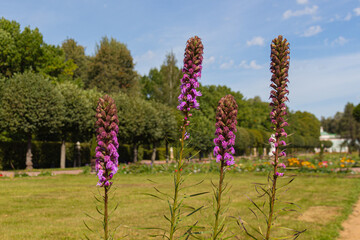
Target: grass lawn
[[53, 207]]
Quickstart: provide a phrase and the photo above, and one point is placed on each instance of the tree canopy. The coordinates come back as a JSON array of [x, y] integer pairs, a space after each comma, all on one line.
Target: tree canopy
[[163, 85], [25, 50], [112, 68], [30, 103], [50, 92]]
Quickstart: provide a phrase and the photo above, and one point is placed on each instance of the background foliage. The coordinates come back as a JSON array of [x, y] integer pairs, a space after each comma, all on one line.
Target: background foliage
[[51, 93]]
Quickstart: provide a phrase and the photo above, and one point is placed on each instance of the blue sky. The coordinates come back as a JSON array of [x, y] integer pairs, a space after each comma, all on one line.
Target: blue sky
[[324, 38]]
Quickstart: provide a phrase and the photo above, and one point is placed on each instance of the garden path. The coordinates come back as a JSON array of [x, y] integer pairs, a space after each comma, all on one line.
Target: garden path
[[11, 174], [352, 225]]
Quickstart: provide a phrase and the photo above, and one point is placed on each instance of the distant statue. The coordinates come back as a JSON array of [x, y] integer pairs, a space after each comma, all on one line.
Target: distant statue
[[171, 154], [272, 146], [29, 163]]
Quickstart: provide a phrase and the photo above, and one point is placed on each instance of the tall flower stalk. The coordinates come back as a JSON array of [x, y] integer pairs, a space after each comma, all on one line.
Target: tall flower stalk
[[193, 58], [226, 114], [106, 151], [279, 68]]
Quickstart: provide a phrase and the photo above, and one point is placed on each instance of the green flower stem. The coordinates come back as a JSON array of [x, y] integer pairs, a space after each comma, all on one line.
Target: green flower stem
[[272, 197], [177, 182], [218, 200], [106, 234]]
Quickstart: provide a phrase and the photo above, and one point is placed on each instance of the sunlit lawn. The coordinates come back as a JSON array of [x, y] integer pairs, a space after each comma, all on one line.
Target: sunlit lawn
[[54, 207]]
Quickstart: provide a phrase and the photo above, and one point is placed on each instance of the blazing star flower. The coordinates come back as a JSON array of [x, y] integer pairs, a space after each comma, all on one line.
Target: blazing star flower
[[226, 114], [279, 68], [107, 130], [193, 58]]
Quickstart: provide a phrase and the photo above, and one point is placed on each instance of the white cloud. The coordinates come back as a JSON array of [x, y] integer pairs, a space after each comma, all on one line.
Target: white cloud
[[348, 17], [227, 65], [256, 41], [251, 65], [307, 11], [302, 1], [146, 56], [339, 41], [147, 61], [357, 11], [334, 80], [311, 31], [210, 60], [338, 17]]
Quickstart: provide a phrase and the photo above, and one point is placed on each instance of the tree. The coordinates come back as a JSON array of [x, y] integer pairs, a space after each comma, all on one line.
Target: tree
[[356, 113], [25, 50], [307, 126], [9, 57], [202, 133], [331, 124], [78, 119], [163, 85], [166, 128], [112, 68], [150, 85], [76, 53], [30, 104], [350, 128], [171, 76], [210, 98], [54, 65], [254, 114], [10, 42], [31, 48], [133, 114], [242, 141]]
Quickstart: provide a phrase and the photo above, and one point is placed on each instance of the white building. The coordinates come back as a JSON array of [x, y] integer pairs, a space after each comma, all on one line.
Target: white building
[[336, 140]]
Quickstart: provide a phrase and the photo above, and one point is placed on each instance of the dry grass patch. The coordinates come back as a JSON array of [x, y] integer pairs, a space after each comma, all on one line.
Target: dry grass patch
[[320, 214]]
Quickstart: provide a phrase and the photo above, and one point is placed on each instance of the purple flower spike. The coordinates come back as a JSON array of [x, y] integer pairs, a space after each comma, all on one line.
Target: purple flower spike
[[226, 114], [107, 130], [279, 68], [193, 58], [282, 165]]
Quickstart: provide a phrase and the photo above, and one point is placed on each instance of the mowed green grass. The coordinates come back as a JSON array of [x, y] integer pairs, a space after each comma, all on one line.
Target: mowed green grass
[[54, 207]]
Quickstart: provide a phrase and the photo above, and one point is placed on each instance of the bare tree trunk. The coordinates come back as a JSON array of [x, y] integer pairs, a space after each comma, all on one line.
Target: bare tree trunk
[[62, 154], [29, 163], [135, 151], [167, 151], [153, 156], [74, 163], [79, 158]]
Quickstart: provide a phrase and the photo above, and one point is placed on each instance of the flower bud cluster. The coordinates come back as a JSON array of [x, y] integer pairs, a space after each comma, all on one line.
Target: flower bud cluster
[[107, 130], [193, 58], [226, 114], [279, 68]]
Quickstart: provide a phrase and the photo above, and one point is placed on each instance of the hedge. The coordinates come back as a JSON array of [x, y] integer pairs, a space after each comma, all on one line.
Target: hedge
[[45, 154]]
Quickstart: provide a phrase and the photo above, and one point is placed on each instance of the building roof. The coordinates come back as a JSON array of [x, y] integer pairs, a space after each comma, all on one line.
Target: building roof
[[323, 133]]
